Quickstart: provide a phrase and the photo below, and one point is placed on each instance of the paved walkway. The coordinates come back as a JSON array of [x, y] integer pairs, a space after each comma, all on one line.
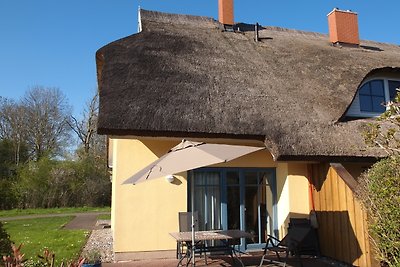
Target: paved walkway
[[82, 220], [86, 221], [225, 261]]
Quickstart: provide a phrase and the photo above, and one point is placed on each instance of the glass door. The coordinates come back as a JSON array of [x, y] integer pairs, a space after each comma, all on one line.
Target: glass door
[[258, 206], [242, 199]]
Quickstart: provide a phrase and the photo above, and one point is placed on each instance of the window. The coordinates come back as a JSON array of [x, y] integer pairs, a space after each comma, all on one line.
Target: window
[[372, 96]]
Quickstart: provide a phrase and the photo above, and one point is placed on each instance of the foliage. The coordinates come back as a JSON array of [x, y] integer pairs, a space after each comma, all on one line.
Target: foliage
[[384, 133], [380, 192], [92, 257], [379, 188], [50, 183], [8, 172], [8, 198], [5, 242], [16, 259], [34, 183], [41, 233], [47, 259], [35, 133]]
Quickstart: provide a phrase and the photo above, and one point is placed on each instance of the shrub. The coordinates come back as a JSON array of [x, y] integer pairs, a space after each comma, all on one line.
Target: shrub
[[380, 192], [16, 259], [5, 242]]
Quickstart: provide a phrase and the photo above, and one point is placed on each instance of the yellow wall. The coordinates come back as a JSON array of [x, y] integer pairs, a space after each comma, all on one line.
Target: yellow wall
[[144, 214], [136, 206]]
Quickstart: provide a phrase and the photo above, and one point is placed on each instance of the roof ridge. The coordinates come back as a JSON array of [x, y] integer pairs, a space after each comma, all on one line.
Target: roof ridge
[[163, 17]]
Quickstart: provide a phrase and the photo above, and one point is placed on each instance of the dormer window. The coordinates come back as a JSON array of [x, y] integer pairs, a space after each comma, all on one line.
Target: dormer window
[[372, 96]]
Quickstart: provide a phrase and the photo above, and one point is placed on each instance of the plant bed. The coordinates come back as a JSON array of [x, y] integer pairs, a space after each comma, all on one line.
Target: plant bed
[[91, 259]]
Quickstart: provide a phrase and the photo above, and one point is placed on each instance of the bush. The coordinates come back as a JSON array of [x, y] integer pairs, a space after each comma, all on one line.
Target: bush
[[49, 183], [5, 242], [380, 192]]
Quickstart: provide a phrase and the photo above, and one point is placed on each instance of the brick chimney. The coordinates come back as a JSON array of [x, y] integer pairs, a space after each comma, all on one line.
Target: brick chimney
[[343, 27], [225, 12]]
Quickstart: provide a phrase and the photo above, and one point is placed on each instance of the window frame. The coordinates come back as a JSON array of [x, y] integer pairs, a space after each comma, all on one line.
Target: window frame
[[355, 109]]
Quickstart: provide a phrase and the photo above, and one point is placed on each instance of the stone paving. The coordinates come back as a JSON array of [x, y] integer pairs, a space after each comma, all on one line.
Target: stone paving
[[101, 239], [226, 261]]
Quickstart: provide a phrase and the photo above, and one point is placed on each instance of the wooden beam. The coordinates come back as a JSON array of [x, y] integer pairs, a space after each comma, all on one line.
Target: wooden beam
[[345, 175]]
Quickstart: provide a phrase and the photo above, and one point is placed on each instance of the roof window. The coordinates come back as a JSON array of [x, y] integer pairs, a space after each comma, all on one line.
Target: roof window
[[371, 97]]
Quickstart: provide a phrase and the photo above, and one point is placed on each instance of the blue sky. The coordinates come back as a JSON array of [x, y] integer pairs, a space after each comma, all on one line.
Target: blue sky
[[52, 43]]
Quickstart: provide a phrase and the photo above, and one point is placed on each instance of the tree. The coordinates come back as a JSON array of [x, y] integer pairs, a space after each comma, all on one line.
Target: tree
[[12, 127], [5, 242], [8, 173], [85, 129], [46, 117], [92, 164], [379, 188]]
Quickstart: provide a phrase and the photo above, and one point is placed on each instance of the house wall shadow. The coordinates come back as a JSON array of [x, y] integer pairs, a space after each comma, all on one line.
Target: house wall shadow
[[337, 238], [342, 230]]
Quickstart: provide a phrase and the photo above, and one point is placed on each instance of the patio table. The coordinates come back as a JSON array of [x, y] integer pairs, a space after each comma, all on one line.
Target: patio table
[[224, 235]]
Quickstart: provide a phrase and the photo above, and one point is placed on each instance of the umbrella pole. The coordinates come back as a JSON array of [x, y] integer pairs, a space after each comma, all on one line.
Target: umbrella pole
[[193, 222]]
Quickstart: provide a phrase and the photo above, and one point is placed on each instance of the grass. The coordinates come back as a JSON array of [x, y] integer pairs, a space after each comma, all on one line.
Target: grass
[[22, 212], [104, 217], [38, 234]]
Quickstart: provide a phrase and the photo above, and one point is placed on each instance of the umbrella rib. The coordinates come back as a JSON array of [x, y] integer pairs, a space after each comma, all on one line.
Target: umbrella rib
[[151, 170]]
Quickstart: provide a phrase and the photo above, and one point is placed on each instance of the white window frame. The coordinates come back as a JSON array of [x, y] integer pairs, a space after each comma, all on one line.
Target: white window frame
[[355, 108]]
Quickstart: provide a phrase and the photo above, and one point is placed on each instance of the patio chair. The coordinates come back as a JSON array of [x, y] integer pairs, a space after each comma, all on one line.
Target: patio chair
[[290, 245], [185, 225], [309, 245]]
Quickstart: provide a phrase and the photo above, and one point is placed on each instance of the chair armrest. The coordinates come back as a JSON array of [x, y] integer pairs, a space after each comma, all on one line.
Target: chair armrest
[[274, 241]]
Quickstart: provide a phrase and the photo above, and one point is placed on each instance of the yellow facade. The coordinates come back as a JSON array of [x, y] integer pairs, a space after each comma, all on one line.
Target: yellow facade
[[144, 214]]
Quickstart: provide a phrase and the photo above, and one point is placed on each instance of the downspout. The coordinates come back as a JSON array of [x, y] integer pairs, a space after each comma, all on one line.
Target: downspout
[[310, 187], [313, 213]]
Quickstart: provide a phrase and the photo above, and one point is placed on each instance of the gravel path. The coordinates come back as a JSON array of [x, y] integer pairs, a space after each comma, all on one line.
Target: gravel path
[[101, 240]]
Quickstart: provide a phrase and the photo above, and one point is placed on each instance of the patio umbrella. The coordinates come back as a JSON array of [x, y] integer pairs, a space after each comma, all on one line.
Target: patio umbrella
[[189, 155]]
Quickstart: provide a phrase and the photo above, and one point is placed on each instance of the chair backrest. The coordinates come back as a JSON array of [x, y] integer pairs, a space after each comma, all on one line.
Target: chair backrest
[[305, 236], [294, 237], [185, 221], [299, 222]]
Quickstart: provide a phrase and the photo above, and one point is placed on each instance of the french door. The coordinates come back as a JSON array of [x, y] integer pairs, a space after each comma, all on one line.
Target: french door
[[245, 199]]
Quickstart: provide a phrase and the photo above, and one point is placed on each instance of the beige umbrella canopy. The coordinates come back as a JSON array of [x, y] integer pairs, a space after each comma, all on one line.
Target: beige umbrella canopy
[[189, 155]]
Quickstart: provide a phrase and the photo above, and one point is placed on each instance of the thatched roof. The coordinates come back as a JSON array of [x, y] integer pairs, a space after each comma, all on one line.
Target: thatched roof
[[183, 76]]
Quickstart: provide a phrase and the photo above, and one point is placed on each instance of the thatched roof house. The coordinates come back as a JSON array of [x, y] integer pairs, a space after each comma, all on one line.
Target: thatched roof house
[[184, 76]]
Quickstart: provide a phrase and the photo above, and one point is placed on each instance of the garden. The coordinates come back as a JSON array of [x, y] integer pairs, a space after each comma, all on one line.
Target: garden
[[44, 239]]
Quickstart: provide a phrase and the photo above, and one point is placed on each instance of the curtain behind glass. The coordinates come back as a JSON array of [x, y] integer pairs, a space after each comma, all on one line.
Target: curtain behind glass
[[208, 200]]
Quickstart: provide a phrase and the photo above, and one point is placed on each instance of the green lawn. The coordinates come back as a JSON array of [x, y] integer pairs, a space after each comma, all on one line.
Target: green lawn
[[41, 233], [21, 212], [104, 217]]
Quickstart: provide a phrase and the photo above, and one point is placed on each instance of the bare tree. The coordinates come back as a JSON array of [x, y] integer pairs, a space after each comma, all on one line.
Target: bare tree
[[85, 128], [46, 115], [12, 126]]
